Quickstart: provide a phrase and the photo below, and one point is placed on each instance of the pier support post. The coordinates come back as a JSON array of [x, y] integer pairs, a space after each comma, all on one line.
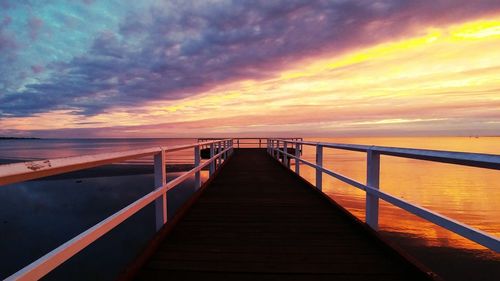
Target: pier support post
[[160, 181], [197, 160], [212, 163], [297, 156], [372, 180], [319, 163]]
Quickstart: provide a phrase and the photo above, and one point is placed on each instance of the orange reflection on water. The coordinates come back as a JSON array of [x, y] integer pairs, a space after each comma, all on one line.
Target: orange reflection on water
[[469, 195]]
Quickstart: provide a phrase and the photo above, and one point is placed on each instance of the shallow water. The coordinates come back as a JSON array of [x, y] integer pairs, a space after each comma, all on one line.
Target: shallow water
[[29, 149], [467, 194], [39, 216]]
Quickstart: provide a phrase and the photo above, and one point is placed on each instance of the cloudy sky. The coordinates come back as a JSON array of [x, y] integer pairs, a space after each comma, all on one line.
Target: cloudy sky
[[154, 68]]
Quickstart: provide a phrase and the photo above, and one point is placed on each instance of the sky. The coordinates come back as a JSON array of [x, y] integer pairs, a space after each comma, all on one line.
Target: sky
[[154, 68]]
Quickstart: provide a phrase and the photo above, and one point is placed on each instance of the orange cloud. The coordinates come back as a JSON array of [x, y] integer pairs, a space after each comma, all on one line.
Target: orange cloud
[[444, 79]]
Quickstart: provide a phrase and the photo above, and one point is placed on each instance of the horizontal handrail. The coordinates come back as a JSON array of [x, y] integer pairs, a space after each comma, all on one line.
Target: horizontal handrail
[[248, 138], [481, 160], [17, 172], [54, 258], [459, 158]]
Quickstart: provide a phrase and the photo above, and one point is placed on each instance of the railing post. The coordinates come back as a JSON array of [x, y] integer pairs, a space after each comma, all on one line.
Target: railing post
[[297, 156], [285, 156], [223, 146], [217, 151], [372, 180], [226, 146], [260, 140], [197, 160], [319, 163], [212, 163], [238, 142], [160, 181], [278, 150]]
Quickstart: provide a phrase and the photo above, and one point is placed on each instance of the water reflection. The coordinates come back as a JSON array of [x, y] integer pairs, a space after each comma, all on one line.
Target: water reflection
[[467, 194]]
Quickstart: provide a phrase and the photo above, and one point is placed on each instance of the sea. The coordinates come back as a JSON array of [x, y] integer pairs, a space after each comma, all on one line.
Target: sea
[[37, 216]]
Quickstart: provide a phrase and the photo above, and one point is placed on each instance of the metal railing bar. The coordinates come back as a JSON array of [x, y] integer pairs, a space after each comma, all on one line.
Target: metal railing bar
[[54, 258], [471, 233], [476, 235], [331, 173], [17, 172], [11, 173], [173, 183], [480, 160]]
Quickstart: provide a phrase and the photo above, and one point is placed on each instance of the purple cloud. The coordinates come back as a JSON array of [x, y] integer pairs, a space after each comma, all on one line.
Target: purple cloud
[[37, 69], [184, 47]]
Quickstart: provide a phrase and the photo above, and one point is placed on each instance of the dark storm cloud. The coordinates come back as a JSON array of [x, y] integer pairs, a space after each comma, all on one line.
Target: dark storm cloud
[[179, 48]]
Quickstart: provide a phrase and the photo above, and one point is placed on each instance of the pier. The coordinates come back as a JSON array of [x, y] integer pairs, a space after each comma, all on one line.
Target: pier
[[255, 218]]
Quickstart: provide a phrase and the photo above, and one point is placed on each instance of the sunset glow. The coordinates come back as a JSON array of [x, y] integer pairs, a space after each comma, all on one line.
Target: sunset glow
[[437, 79], [164, 129]]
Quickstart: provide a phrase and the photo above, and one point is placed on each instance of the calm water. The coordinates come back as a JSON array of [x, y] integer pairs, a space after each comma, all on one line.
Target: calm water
[[467, 194], [55, 148]]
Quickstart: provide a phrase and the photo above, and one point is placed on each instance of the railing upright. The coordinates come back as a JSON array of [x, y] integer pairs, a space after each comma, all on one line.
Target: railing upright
[[226, 145], [319, 163], [197, 161], [278, 150], [217, 151], [18, 173], [212, 164], [297, 157], [160, 181], [372, 180], [373, 192], [285, 155]]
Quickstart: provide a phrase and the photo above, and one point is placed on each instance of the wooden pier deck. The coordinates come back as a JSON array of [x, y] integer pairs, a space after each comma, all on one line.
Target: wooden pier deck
[[258, 221]]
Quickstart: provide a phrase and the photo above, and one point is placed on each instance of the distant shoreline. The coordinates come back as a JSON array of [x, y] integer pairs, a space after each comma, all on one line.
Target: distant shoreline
[[18, 138]]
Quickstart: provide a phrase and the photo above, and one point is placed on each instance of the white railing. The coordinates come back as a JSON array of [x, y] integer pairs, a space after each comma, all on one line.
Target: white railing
[[238, 142], [278, 148], [19, 172]]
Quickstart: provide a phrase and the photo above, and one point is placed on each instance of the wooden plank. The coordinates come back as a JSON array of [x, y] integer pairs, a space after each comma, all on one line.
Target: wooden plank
[[257, 221]]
